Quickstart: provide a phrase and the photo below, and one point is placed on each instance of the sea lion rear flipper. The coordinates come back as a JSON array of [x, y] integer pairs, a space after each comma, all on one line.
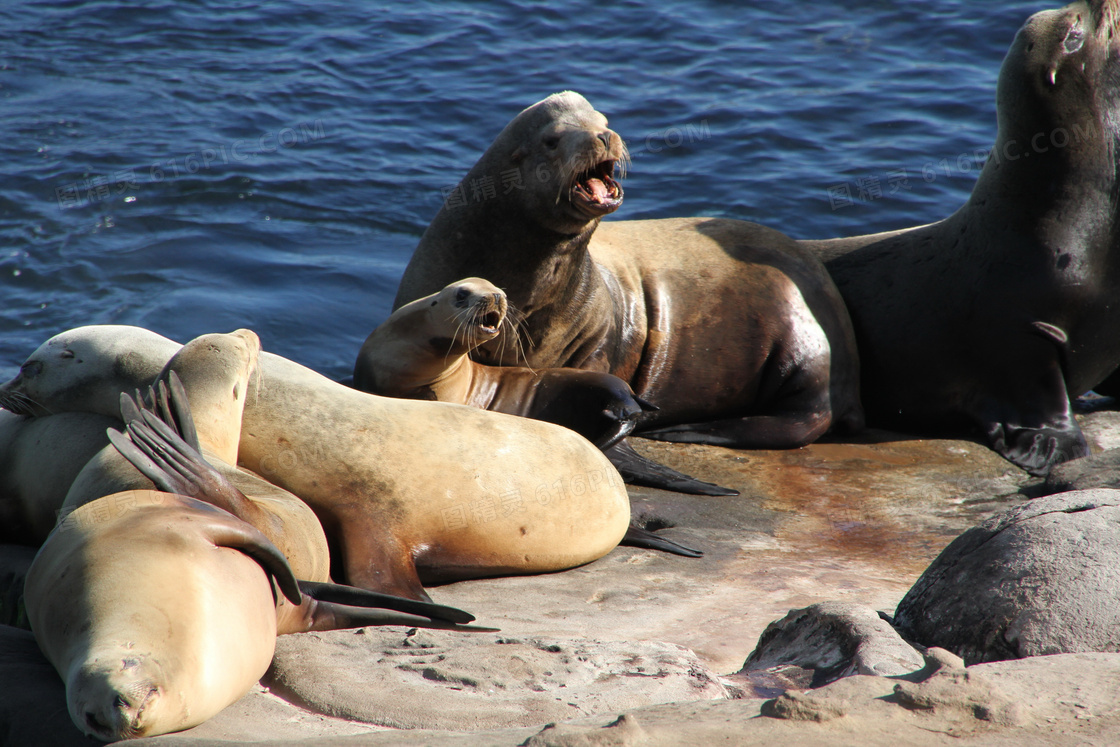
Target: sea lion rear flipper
[[167, 457], [351, 596], [638, 470], [638, 537]]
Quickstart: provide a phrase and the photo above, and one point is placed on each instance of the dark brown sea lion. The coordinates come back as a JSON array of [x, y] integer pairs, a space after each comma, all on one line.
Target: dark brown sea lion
[[996, 315], [735, 332]]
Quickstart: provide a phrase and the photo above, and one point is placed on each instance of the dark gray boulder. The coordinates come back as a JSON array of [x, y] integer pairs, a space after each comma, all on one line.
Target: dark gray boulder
[[832, 640], [1100, 470], [1040, 578]]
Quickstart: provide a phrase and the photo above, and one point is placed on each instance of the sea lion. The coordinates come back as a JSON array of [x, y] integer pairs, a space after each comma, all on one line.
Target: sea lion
[[39, 460], [422, 352], [996, 315], [487, 495], [158, 610], [735, 332], [214, 371]]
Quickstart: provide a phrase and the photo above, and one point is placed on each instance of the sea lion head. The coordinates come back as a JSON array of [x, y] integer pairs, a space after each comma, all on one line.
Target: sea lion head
[[119, 695], [558, 158], [473, 308], [65, 372], [1059, 86]]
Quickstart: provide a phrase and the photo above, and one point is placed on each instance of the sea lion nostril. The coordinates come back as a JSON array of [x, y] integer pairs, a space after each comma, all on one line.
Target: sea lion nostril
[[95, 723], [605, 137]]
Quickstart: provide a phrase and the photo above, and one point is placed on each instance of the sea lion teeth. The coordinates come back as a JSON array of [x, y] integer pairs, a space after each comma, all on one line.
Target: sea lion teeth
[[734, 331]]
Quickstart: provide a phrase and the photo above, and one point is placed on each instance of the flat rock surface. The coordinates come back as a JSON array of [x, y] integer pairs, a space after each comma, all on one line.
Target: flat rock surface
[[854, 522]]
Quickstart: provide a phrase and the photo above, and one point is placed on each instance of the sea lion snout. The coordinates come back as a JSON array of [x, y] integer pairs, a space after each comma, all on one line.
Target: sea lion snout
[[113, 703]]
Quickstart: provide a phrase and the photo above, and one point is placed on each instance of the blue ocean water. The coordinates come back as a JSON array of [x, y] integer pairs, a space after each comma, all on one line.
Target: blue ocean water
[[201, 166]]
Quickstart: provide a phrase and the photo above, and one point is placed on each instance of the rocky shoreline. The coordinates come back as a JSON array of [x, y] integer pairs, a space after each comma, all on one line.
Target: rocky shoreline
[[646, 648]]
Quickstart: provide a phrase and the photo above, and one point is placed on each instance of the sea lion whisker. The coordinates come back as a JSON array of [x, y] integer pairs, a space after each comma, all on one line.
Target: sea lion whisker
[[22, 404]]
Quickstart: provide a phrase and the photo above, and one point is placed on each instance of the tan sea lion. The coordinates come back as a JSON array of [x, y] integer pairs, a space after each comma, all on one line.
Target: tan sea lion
[[488, 494], [734, 331], [995, 316], [158, 610], [215, 371], [422, 352], [39, 459]]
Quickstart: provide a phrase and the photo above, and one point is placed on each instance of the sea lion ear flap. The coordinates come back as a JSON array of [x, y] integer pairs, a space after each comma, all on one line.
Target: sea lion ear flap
[[519, 154], [238, 535]]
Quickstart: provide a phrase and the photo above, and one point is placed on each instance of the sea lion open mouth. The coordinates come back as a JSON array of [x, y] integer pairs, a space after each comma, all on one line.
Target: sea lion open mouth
[[596, 191], [487, 314], [489, 322]]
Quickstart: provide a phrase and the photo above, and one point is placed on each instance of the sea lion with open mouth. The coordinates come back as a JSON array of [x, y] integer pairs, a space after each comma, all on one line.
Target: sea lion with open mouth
[[732, 330]]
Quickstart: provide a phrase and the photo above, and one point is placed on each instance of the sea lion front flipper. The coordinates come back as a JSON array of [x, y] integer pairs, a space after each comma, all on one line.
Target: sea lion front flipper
[[619, 429], [243, 537], [639, 470], [638, 537], [1032, 425], [1038, 449], [351, 596], [331, 616]]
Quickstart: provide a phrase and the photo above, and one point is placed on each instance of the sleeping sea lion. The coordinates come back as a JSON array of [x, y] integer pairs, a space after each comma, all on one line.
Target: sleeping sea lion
[[158, 610], [488, 494]]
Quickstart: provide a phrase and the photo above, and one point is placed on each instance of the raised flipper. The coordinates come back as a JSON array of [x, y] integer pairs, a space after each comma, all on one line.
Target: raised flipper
[[156, 448], [167, 457], [638, 537], [639, 470]]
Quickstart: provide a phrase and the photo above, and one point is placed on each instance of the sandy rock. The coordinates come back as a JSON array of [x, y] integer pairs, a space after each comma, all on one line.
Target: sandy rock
[[954, 692], [1040, 578], [833, 640], [439, 679]]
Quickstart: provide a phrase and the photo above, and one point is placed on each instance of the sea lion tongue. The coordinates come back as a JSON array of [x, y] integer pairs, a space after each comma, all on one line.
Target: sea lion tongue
[[598, 190]]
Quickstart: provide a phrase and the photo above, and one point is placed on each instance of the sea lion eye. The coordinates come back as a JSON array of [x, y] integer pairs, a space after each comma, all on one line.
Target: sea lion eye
[[461, 297], [551, 142]]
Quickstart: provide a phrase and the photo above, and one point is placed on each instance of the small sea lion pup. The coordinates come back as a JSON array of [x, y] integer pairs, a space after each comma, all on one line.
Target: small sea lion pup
[[158, 610], [735, 332], [422, 351], [996, 315]]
